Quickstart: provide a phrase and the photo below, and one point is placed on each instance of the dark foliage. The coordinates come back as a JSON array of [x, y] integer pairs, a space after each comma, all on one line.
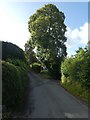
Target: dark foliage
[[11, 51], [47, 29], [14, 83], [36, 67]]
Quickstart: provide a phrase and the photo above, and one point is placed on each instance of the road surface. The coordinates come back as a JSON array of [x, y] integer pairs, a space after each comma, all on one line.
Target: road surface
[[50, 100]]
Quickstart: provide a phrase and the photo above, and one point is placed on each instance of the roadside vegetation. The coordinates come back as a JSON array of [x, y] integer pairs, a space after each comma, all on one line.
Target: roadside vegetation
[[14, 78], [45, 74], [75, 74]]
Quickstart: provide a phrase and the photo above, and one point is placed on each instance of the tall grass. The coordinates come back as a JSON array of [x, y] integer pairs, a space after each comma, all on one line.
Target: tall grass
[[76, 88]]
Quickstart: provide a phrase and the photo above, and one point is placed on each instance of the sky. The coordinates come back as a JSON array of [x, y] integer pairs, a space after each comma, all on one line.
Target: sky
[[14, 18]]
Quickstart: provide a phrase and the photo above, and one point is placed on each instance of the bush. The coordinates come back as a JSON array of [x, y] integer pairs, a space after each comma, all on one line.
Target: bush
[[36, 67], [45, 74], [12, 51], [14, 82], [77, 68], [44, 71], [19, 63]]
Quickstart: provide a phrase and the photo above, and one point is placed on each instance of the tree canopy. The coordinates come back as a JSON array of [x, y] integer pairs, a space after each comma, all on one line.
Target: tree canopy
[[47, 30]]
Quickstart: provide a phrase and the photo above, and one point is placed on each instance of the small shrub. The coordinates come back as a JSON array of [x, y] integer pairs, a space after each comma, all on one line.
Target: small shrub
[[44, 71], [63, 79], [36, 67]]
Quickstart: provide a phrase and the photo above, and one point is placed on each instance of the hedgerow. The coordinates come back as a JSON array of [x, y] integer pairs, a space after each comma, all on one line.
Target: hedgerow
[[75, 73], [14, 83]]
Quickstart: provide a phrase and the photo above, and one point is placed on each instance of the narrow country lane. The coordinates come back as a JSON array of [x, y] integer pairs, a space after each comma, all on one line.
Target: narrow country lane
[[52, 101], [48, 99]]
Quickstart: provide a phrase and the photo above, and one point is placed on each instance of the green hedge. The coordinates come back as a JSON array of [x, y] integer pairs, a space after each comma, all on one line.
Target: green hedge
[[75, 73], [19, 63], [77, 68], [12, 51], [14, 83]]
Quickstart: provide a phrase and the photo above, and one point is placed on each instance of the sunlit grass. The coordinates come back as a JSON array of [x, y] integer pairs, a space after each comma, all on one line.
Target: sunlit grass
[[76, 89]]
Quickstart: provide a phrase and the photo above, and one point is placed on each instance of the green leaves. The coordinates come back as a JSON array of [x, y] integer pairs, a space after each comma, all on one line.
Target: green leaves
[[29, 53], [15, 80], [12, 51], [47, 30], [47, 27], [77, 68]]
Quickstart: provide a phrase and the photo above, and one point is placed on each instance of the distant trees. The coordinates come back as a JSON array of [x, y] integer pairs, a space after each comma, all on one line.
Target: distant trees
[[47, 30], [29, 53]]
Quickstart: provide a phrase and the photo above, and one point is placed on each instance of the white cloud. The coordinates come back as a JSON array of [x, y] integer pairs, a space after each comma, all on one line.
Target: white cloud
[[11, 29], [72, 37], [76, 38], [83, 33]]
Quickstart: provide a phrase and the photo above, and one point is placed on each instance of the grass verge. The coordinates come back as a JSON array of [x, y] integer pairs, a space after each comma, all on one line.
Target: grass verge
[[75, 88]]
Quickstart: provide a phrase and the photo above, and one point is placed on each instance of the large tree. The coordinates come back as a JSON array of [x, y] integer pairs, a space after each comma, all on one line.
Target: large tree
[[47, 30]]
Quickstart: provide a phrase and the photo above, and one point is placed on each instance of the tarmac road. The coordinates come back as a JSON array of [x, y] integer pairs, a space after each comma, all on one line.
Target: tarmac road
[[50, 100]]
